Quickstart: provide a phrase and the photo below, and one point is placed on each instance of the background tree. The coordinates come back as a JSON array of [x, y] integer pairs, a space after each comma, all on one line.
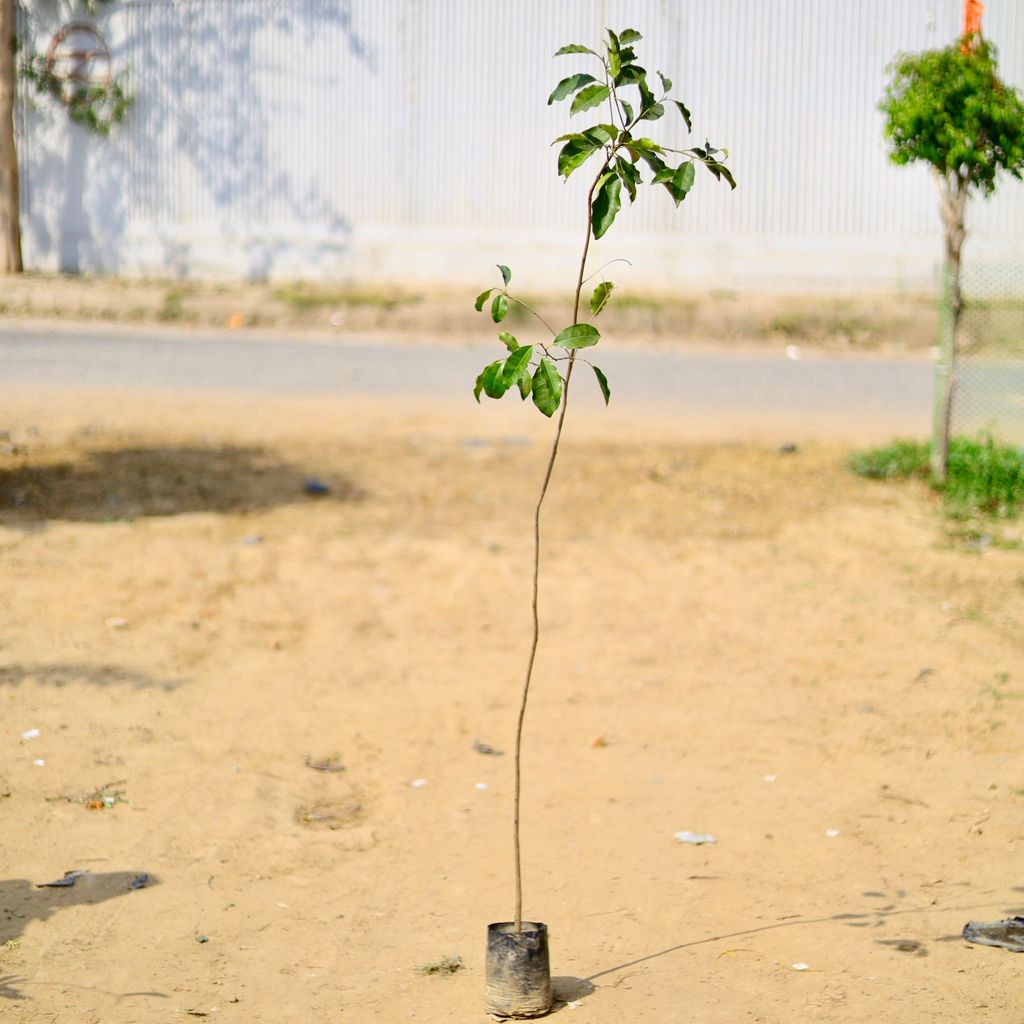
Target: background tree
[[949, 109], [10, 225]]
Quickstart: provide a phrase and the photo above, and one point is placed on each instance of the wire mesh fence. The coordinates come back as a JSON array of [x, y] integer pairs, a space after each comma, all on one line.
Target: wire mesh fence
[[988, 392]]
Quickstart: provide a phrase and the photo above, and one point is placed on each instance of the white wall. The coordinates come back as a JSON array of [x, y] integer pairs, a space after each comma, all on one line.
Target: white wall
[[409, 140]]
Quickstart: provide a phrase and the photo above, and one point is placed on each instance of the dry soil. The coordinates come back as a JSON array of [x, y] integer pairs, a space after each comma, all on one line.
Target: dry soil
[[271, 704]]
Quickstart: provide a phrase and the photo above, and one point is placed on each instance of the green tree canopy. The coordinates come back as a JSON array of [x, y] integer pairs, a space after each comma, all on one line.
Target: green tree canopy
[[950, 109]]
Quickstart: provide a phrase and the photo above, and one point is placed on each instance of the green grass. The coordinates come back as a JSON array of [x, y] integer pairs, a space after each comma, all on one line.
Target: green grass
[[901, 460], [303, 297], [983, 478], [801, 325]]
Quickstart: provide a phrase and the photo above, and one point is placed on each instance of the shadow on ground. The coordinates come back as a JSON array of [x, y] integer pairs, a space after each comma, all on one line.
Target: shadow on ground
[[872, 918], [22, 902], [61, 674], [127, 483]]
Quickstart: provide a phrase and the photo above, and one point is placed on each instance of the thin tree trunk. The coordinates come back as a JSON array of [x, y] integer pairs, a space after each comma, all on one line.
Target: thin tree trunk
[[953, 204], [10, 223], [517, 796]]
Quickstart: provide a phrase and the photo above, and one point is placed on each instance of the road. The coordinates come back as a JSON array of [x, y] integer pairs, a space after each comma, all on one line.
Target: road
[[885, 392]]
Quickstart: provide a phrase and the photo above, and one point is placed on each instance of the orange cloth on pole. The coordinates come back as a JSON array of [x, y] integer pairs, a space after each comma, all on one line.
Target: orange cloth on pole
[[973, 10]]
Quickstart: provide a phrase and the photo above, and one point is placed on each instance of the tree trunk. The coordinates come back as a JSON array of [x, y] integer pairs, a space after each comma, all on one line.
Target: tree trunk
[[954, 202], [10, 206]]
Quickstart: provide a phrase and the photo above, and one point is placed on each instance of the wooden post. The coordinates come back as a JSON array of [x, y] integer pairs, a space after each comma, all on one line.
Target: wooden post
[[10, 212]]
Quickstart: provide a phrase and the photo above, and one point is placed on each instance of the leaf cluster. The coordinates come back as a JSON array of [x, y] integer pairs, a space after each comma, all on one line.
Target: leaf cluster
[[950, 109], [621, 84], [532, 369]]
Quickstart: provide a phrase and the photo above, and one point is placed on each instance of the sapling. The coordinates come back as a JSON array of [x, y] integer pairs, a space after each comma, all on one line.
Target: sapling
[[949, 109], [542, 371]]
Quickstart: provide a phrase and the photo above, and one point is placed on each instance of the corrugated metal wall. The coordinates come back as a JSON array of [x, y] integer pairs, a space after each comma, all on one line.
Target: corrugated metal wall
[[370, 138]]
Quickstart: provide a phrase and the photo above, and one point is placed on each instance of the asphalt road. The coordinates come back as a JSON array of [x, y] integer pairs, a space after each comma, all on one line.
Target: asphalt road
[[878, 390]]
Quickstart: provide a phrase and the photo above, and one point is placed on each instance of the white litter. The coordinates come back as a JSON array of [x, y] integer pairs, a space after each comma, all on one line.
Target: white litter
[[770, 778], [801, 966], [31, 734], [481, 785], [696, 838], [792, 352], [116, 622], [39, 762], [831, 832], [418, 783]]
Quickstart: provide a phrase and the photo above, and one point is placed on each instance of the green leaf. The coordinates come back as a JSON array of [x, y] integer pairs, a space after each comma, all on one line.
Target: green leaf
[[680, 182], [569, 85], [600, 297], [546, 387], [645, 145], [614, 54], [606, 205], [646, 150], [602, 381], [525, 384], [632, 74], [591, 96], [666, 83], [653, 111], [646, 97], [630, 176], [518, 361], [627, 111], [489, 381], [684, 176], [718, 169], [481, 299], [508, 341], [506, 274], [629, 35], [578, 336], [574, 154], [602, 134], [685, 114], [665, 174], [574, 48], [499, 307]]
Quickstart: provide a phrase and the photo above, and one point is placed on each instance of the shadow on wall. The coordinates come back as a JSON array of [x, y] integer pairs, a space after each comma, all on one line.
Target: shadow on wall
[[215, 148]]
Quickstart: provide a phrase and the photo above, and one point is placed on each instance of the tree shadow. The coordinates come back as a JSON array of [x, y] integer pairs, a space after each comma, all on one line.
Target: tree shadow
[[221, 134], [862, 919], [127, 483], [61, 674], [23, 902]]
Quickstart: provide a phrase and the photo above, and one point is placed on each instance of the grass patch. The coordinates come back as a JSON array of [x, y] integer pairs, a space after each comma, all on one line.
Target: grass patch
[[901, 460], [303, 297], [444, 967], [804, 325], [173, 307], [983, 478]]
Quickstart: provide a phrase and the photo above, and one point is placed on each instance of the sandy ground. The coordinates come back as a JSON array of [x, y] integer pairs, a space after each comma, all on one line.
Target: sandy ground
[[738, 640]]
